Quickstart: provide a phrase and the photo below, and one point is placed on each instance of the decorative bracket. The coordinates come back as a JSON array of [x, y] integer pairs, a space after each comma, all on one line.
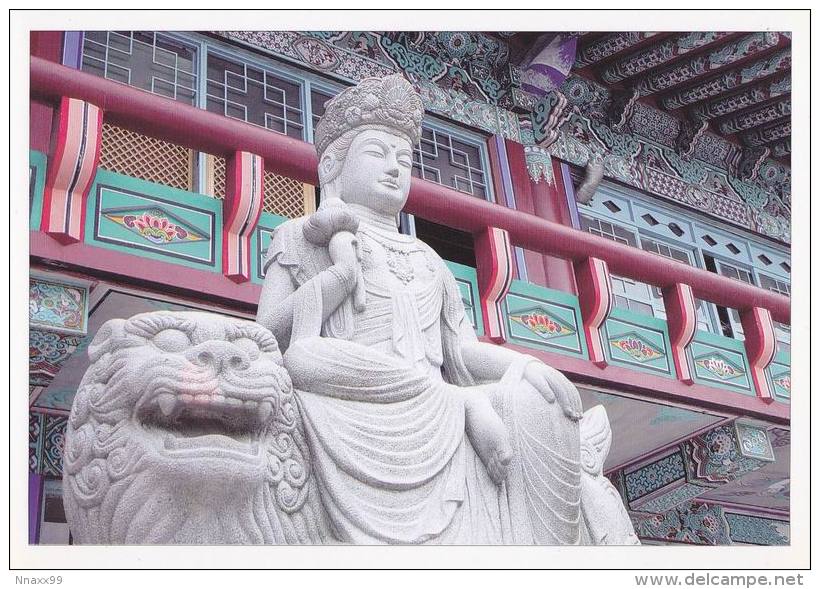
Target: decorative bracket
[[71, 169], [244, 180], [549, 113], [595, 298], [761, 344], [750, 161], [681, 318], [621, 109], [690, 132], [494, 272]]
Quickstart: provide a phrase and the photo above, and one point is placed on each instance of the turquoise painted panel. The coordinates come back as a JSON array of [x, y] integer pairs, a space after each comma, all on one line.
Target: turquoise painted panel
[[260, 240], [719, 361], [637, 341], [36, 185], [468, 284], [155, 221], [543, 318], [58, 306], [779, 374]]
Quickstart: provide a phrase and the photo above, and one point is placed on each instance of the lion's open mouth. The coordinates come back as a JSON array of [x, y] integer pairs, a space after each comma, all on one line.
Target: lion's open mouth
[[207, 425]]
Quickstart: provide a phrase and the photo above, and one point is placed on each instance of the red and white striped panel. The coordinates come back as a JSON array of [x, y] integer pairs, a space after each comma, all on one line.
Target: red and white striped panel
[[595, 298], [494, 272], [761, 344], [242, 206], [681, 317], [71, 169]]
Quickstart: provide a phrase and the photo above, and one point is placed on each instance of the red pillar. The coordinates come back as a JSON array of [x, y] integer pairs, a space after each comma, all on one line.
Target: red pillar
[[550, 203]]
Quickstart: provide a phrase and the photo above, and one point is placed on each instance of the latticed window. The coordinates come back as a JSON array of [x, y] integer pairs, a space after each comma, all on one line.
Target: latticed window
[[254, 95], [139, 156], [629, 294], [147, 60], [449, 160], [782, 331], [673, 253]]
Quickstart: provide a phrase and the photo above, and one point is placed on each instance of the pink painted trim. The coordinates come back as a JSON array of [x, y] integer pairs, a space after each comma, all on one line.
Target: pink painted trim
[[243, 201], [657, 387], [595, 298], [494, 279], [101, 261], [761, 344], [71, 170], [213, 133], [682, 320]]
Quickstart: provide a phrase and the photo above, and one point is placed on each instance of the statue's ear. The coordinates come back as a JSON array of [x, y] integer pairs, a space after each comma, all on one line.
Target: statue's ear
[[106, 337]]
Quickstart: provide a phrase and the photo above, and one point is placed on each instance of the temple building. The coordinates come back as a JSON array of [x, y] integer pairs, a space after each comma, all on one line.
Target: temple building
[[615, 204]]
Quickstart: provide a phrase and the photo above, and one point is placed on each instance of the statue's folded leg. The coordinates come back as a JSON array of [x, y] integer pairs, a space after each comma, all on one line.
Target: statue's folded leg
[[543, 484]]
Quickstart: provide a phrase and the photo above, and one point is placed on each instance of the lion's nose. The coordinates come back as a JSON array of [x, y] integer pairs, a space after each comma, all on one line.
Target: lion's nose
[[220, 356]]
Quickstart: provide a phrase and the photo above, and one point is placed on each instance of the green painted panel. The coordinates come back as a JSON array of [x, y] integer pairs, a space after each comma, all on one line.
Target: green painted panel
[[779, 374], [544, 318], [637, 341], [468, 285], [155, 221], [260, 240], [36, 184], [719, 361]]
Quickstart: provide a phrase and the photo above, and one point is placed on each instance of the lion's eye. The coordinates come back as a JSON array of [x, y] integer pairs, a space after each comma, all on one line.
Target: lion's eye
[[172, 340], [249, 346]]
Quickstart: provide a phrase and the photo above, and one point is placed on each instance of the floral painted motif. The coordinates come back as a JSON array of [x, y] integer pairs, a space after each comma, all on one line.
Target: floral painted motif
[[154, 225], [636, 348], [542, 324], [57, 306], [720, 367], [784, 381], [691, 522]]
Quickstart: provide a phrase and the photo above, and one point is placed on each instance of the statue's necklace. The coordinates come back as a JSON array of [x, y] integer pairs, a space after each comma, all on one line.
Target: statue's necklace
[[397, 254]]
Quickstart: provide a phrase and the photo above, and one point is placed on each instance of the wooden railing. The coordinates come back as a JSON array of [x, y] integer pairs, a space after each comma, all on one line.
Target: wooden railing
[[496, 227]]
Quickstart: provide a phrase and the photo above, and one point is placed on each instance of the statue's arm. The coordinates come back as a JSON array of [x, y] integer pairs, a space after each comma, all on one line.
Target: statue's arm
[[279, 293]]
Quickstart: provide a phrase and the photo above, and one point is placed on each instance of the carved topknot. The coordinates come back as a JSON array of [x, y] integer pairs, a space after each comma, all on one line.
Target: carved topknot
[[389, 102]]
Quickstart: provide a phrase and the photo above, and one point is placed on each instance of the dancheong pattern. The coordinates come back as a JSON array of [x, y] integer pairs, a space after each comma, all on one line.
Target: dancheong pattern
[[636, 347], [57, 306], [720, 367], [154, 225], [542, 324]]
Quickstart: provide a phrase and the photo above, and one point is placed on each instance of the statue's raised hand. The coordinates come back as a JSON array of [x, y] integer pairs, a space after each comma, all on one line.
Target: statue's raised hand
[[555, 386], [334, 227]]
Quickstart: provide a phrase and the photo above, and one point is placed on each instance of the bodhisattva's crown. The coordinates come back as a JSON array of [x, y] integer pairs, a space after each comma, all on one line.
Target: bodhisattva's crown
[[374, 102]]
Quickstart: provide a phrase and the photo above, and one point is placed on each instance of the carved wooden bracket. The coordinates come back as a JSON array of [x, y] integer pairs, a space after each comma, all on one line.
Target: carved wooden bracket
[[688, 135], [494, 272], [750, 161], [71, 169], [761, 344], [550, 112], [595, 298], [621, 109], [242, 206], [681, 318]]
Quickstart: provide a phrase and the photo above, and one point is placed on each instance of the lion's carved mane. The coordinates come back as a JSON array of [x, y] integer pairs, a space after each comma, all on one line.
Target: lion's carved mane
[[185, 429]]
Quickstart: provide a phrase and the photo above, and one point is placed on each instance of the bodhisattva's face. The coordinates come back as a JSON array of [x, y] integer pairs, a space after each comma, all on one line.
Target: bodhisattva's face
[[376, 171]]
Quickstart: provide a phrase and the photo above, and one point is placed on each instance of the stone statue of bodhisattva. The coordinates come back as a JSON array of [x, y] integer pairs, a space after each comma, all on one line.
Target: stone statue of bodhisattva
[[418, 431], [370, 414]]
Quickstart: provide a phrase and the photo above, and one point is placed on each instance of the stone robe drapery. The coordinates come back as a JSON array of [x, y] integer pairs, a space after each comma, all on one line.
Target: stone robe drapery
[[387, 433]]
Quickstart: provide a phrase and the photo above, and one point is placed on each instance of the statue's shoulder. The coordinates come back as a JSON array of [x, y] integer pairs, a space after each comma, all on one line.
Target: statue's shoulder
[[289, 248]]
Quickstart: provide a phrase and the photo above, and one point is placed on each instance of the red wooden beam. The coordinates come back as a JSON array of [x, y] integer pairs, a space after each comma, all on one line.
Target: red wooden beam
[[198, 129]]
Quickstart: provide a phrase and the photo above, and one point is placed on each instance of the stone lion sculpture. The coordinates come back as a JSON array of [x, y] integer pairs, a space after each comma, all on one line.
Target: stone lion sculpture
[[185, 430]]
